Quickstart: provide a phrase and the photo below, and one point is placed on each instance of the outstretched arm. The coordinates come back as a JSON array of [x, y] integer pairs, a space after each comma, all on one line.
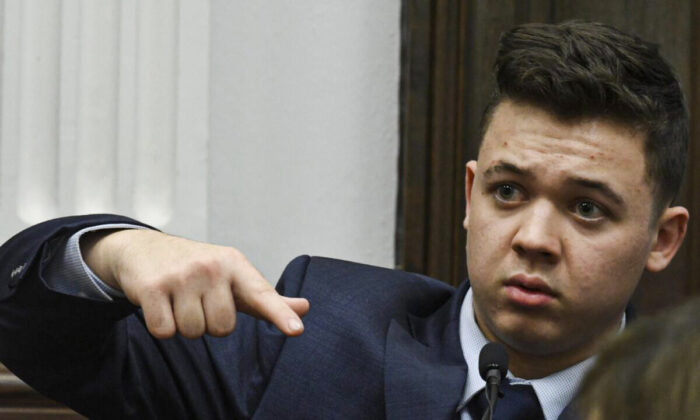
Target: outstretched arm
[[98, 357]]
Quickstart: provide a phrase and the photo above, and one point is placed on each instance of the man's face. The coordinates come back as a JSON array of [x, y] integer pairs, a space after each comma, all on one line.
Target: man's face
[[559, 229]]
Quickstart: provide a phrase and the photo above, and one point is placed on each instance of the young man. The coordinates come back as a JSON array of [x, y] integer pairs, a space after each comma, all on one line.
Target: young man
[[583, 151]]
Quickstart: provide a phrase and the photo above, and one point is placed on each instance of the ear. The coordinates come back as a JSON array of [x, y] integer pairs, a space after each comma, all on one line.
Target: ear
[[670, 232], [468, 184]]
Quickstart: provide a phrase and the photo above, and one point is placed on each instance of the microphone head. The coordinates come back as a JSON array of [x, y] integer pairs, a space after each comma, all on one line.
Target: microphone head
[[493, 356]]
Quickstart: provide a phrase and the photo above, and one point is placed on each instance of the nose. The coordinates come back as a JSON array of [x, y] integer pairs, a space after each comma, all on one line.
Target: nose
[[537, 237]]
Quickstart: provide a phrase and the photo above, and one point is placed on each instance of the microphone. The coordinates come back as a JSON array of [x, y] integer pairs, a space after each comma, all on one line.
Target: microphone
[[493, 366]]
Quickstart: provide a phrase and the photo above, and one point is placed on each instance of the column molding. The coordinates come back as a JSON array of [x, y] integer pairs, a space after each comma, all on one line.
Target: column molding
[[105, 108]]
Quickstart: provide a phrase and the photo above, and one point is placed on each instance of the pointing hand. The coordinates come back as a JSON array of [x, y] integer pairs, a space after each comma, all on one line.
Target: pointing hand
[[187, 286]]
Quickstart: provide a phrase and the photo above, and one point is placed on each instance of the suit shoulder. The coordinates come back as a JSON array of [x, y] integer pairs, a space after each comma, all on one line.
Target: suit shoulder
[[360, 285]]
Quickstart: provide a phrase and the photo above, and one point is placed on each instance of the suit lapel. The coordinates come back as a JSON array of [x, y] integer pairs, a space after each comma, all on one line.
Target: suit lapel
[[425, 370]]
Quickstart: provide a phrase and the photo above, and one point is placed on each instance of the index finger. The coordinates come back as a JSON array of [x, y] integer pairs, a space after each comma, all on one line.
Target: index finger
[[255, 296]]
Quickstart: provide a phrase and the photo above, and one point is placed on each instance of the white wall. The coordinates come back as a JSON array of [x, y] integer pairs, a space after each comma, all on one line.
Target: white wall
[[304, 129], [279, 134]]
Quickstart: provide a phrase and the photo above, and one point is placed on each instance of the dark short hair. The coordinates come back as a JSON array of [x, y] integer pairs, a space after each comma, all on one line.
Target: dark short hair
[[579, 70]]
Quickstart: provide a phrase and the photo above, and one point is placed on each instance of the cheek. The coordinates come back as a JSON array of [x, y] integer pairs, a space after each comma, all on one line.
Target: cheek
[[606, 268], [487, 245]]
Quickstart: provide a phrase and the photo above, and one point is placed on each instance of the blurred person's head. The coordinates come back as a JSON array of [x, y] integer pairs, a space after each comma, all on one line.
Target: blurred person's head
[[651, 371], [583, 149]]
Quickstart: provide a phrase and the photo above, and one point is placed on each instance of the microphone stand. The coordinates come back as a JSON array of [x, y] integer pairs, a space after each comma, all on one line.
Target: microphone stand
[[493, 380], [493, 366]]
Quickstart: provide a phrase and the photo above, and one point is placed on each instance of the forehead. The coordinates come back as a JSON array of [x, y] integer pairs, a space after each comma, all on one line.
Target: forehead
[[533, 139]]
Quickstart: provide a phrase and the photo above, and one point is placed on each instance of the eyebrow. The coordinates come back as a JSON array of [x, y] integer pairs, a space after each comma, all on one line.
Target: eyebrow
[[503, 166], [601, 187]]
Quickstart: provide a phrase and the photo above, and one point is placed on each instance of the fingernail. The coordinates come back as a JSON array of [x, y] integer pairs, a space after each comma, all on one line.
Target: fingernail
[[295, 325]]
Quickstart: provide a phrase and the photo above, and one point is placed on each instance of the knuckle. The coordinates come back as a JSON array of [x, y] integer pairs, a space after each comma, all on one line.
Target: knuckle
[[221, 329], [190, 326], [220, 318], [157, 287], [163, 331], [192, 331], [234, 254], [154, 286], [237, 259], [159, 326], [204, 267]]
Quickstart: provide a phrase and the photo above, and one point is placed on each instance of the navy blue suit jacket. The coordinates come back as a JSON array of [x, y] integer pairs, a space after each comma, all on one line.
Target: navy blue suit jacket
[[378, 343]]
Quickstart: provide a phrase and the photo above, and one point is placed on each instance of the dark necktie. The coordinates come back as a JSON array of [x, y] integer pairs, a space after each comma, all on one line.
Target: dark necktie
[[519, 402]]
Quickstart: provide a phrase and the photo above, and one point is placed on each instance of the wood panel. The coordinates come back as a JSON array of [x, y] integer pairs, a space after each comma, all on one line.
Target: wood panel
[[447, 54], [693, 172], [19, 401], [414, 127]]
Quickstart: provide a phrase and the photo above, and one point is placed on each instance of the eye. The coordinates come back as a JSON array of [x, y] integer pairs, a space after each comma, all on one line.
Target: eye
[[589, 210], [508, 193]]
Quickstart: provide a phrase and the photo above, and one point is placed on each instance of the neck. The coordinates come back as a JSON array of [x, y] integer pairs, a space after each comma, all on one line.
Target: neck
[[528, 366]]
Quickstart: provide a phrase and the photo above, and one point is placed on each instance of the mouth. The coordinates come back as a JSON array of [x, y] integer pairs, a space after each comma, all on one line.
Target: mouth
[[529, 291]]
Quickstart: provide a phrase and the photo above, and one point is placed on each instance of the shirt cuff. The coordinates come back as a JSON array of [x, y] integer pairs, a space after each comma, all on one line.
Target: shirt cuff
[[68, 273]]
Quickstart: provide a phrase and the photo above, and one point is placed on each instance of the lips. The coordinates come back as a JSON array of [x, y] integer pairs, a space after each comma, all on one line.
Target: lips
[[529, 291]]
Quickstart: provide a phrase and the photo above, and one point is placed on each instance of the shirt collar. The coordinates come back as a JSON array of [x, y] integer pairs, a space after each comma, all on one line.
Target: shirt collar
[[472, 340], [554, 391]]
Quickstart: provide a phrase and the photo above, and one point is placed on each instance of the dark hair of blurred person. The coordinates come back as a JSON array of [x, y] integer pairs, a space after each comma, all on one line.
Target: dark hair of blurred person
[[651, 371]]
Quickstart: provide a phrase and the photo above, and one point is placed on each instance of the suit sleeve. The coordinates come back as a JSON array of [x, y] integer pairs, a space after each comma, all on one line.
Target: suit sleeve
[[98, 358], [67, 272]]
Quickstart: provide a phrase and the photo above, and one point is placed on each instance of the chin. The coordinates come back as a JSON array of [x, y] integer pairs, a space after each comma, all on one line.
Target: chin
[[530, 337], [535, 346]]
